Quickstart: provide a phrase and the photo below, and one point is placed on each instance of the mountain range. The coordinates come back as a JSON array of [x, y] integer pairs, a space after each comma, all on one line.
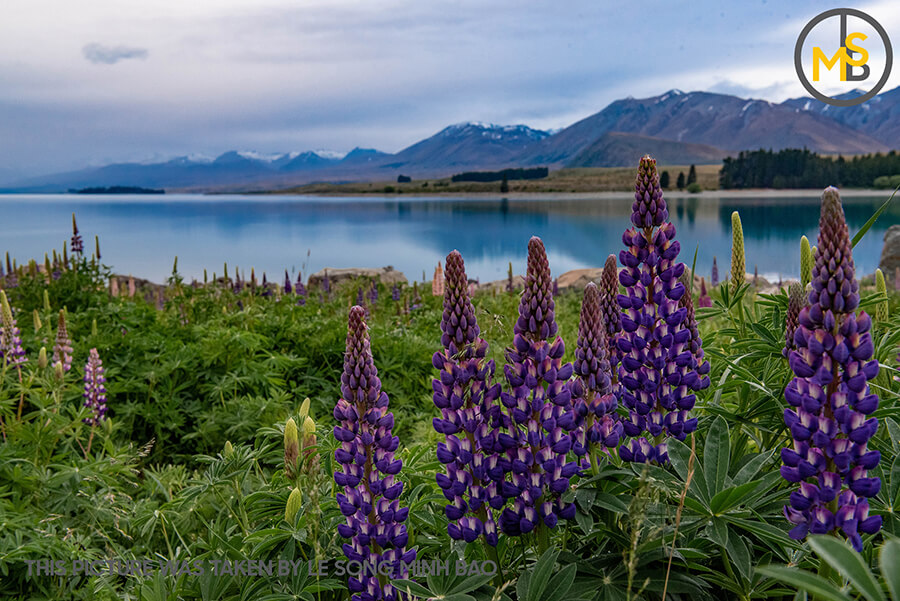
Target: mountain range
[[675, 127]]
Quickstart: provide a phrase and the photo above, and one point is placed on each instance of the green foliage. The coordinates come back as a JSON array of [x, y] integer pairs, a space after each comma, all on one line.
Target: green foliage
[[694, 188], [850, 567]]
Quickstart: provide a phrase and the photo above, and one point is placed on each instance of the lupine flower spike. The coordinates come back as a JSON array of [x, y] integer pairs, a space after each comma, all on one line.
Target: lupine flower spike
[[374, 526], [796, 301], [714, 275], [437, 282], [62, 349], [287, 283], [11, 350], [77, 243], [830, 399], [881, 309], [806, 262], [540, 405], [395, 292], [470, 417], [738, 266], [612, 320], [660, 371], [291, 449], [300, 290], [372, 295], [592, 397], [94, 393], [704, 300]]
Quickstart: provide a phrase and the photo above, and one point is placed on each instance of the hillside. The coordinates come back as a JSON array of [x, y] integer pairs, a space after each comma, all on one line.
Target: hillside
[[617, 149]]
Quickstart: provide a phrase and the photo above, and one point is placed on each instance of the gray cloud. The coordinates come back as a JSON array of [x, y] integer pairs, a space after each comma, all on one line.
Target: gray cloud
[[110, 55]]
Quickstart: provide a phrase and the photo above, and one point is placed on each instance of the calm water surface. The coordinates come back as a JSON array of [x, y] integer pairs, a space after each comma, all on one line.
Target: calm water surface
[[141, 235]]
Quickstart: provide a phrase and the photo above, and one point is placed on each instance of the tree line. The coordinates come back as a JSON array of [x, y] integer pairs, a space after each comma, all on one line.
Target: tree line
[[794, 168]]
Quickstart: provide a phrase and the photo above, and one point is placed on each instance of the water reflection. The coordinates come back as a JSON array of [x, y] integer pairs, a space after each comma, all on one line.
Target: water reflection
[[141, 235]]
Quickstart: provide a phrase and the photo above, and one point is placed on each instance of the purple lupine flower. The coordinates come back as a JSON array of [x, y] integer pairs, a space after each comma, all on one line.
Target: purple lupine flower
[[697, 363], [326, 283], [10, 341], [592, 396], [714, 276], [659, 371], [77, 243], [287, 283], [830, 398], [374, 526], [301, 292], [266, 291], [704, 300], [540, 408], [372, 295], [609, 309], [796, 302], [466, 397], [359, 297], [94, 389], [555, 287], [416, 298], [395, 292], [62, 349]]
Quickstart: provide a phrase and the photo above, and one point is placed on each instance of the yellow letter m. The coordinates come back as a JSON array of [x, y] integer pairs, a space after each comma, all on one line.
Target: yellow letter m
[[839, 57]]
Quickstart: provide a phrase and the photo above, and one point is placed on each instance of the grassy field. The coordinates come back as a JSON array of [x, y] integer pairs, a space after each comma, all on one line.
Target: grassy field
[[599, 179]]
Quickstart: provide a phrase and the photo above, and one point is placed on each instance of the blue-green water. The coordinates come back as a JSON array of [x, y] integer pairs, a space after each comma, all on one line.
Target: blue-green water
[[141, 235]]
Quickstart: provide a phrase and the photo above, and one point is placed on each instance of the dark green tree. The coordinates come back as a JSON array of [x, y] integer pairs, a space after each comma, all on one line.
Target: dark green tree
[[692, 175], [679, 183], [664, 179], [504, 185]]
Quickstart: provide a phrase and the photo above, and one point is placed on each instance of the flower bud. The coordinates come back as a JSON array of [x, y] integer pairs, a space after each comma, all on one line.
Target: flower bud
[[738, 268], [229, 449], [304, 408], [881, 309], [37, 321], [46, 300], [58, 370], [806, 262], [94, 327], [291, 448], [293, 505], [42, 358]]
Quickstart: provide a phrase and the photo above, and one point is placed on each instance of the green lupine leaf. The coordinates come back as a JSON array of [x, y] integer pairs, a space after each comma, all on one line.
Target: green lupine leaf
[[807, 581], [849, 564]]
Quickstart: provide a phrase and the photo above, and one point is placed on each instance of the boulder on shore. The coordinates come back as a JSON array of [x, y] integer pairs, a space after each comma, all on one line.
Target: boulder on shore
[[890, 255], [579, 278], [501, 285], [386, 275]]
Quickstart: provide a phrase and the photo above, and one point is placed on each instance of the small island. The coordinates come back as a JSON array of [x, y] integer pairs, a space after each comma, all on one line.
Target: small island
[[117, 190]]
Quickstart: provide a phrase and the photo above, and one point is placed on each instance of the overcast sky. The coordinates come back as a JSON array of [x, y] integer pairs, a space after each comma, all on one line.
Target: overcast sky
[[96, 81]]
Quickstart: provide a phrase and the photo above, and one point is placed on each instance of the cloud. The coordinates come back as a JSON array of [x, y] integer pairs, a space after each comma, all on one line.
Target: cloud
[[110, 55]]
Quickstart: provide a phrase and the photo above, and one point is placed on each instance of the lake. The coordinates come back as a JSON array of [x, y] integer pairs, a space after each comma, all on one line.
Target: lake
[[141, 235]]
